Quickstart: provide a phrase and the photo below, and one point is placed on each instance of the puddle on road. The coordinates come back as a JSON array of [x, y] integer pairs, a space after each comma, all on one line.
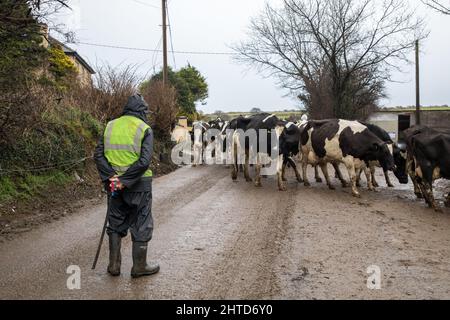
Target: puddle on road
[[406, 191]]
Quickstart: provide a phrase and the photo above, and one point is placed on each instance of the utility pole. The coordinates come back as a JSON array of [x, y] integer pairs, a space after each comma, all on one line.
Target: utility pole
[[164, 26], [417, 84]]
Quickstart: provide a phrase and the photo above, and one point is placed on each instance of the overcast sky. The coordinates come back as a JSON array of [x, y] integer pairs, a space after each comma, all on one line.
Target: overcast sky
[[213, 25]]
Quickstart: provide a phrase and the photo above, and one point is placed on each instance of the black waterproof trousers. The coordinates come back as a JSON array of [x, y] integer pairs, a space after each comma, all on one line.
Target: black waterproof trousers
[[131, 211]]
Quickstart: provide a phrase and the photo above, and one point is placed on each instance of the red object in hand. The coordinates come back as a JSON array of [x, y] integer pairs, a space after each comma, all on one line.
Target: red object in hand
[[115, 186], [112, 186]]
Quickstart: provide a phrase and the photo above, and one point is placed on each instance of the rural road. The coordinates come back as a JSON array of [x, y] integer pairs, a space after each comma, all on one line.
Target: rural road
[[219, 239]]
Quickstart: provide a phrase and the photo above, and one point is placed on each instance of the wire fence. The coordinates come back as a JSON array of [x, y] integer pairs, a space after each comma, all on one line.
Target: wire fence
[[70, 164]]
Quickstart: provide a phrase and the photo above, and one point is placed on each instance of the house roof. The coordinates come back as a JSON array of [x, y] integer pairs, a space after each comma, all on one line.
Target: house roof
[[70, 52]]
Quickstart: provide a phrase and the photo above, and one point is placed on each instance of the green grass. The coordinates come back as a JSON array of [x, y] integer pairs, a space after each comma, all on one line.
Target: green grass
[[412, 109], [279, 114], [286, 115], [56, 146], [31, 185], [8, 190]]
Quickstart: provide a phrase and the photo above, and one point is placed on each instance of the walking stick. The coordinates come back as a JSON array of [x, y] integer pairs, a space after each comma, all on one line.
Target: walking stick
[[94, 265]]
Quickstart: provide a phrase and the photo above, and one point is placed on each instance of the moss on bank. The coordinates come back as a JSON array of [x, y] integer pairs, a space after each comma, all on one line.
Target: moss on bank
[[53, 154], [31, 185], [48, 155]]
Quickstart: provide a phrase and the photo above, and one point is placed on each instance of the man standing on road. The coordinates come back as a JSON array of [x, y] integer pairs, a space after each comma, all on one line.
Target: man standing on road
[[123, 157]]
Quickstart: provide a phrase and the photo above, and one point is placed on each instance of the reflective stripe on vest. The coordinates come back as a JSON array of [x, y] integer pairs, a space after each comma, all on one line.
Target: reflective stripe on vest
[[123, 142], [137, 142]]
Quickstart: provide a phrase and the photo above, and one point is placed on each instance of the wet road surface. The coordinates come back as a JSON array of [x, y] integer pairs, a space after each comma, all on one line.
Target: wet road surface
[[215, 238]]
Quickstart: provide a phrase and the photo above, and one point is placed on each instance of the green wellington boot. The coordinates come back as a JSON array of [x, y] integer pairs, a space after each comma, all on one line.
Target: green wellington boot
[[140, 266], [114, 254]]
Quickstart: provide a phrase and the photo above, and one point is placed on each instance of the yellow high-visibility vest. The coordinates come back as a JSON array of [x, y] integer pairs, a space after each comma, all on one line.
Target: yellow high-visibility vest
[[123, 141]]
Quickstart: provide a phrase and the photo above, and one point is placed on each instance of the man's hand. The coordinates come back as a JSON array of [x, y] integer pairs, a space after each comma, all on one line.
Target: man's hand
[[116, 180]]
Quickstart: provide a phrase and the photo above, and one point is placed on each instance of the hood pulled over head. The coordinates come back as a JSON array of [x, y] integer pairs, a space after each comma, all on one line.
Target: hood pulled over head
[[137, 107]]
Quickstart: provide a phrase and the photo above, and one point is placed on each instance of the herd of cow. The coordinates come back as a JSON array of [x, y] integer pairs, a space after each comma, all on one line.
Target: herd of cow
[[359, 146]]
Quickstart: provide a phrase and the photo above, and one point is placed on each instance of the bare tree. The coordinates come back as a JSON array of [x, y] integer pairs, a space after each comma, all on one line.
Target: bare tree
[[334, 54], [112, 88], [162, 100], [438, 6], [37, 9], [44, 11], [40, 11]]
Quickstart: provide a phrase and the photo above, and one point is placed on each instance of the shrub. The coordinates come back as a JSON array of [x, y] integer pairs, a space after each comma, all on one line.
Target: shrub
[[163, 105], [106, 100]]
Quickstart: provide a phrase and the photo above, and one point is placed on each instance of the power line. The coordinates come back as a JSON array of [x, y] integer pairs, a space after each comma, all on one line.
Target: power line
[[146, 4], [171, 38], [164, 33], [155, 53], [46, 167], [156, 50]]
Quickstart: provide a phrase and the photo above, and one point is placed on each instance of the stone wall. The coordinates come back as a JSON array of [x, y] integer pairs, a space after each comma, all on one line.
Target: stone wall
[[436, 119]]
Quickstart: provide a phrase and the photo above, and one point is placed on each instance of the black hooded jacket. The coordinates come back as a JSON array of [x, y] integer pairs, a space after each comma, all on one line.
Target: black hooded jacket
[[133, 179]]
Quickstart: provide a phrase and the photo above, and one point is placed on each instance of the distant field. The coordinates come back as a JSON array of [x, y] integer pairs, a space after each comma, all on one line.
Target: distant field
[[414, 109], [298, 114], [279, 114]]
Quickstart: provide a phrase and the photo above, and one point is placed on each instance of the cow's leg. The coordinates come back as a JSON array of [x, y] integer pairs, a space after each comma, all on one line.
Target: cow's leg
[[411, 172], [194, 153], [358, 173], [350, 165], [283, 170], [304, 171], [202, 155], [246, 166], [197, 155], [258, 171], [295, 167], [372, 174], [235, 169], [324, 167], [368, 173], [429, 196], [339, 175], [281, 184], [417, 189], [426, 174], [316, 174], [388, 179], [336, 174], [447, 200], [213, 154], [218, 155]]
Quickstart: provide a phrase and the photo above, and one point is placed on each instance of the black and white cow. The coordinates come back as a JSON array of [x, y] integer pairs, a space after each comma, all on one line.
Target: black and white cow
[[289, 144], [242, 145], [428, 160], [398, 154], [198, 134], [216, 136], [217, 124], [237, 125], [290, 148], [347, 142], [306, 130], [301, 126]]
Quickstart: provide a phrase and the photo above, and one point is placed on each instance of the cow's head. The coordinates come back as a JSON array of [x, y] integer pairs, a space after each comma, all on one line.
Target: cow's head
[[400, 163], [380, 152], [290, 139]]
